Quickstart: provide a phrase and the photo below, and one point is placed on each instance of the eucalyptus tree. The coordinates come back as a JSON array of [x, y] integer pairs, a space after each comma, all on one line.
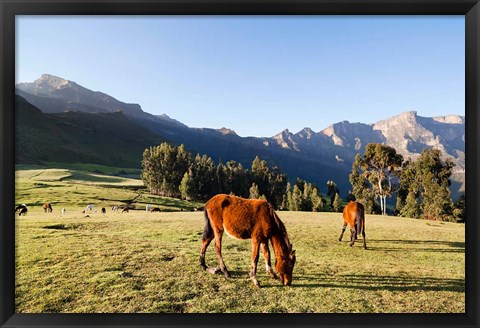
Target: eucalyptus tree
[[380, 166], [425, 186]]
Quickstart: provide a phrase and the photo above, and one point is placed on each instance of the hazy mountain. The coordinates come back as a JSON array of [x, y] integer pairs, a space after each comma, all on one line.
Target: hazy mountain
[[314, 156], [408, 133]]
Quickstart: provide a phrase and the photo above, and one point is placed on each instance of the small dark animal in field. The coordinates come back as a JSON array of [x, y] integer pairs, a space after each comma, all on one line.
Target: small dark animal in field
[[47, 207], [125, 210], [155, 209], [196, 209], [22, 209], [354, 215], [104, 210], [244, 219]]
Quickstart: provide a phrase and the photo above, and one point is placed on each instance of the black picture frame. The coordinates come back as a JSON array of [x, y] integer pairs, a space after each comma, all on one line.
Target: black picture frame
[[10, 8]]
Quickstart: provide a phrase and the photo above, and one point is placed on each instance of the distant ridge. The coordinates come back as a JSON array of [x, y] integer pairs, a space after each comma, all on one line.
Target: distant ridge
[[314, 156]]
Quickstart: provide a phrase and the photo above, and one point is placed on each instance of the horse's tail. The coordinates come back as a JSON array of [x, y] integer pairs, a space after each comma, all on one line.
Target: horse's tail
[[359, 219], [207, 230]]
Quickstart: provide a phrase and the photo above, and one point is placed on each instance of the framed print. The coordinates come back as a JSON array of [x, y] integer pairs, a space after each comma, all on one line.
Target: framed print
[[336, 142]]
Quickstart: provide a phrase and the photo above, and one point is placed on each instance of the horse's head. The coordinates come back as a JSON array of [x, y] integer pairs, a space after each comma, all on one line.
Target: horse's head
[[285, 266]]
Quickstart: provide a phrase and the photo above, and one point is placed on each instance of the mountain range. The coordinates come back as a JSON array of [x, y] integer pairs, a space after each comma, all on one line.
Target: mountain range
[[60, 121]]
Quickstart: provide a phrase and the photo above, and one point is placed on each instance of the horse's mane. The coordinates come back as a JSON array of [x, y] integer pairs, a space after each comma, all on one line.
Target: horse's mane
[[281, 228]]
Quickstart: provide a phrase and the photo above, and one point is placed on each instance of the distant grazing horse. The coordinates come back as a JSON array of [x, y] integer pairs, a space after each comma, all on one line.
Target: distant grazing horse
[[104, 210], [88, 208], [63, 211], [125, 210], [114, 208], [148, 208], [354, 215], [244, 219], [47, 207], [22, 209], [155, 209]]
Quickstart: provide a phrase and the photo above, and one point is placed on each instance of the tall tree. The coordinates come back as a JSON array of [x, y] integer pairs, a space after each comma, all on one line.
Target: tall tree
[[380, 165], [278, 186], [317, 201], [204, 173], [260, 175], [337, 203], [187, 186], [163, 168], [425, 187], [332, 190], [296, 199], [254, 194]]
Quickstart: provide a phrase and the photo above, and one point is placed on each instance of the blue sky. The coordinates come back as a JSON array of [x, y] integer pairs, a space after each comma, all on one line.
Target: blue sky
[[256, 75]]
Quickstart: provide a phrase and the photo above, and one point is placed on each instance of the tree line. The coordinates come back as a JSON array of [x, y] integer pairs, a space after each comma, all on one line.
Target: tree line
[[421, 186], [172, 171]]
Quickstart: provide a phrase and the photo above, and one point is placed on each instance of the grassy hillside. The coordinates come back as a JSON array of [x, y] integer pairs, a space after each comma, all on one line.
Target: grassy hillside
[[73, 188], [148, 262], [69, 137]]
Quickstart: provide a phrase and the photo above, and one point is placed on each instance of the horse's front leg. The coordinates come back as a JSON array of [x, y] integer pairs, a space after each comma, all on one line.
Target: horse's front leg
[[255, 255], [268, 264]]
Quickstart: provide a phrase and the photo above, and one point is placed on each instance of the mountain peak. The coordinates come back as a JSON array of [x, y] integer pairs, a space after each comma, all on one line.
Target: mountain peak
[[412, 115], [51, 80], [306, 133], [226, 131]]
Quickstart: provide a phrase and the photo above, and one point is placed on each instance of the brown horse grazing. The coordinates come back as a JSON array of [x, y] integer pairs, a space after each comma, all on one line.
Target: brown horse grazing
[[47, 207], [354, 215], [244, 219]]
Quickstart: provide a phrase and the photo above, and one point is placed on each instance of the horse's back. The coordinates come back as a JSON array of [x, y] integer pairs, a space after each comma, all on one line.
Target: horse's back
[[350, 212], [240, 217]]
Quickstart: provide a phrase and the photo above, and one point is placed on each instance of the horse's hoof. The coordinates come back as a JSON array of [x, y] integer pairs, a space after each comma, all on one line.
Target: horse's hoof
[[213, 270]]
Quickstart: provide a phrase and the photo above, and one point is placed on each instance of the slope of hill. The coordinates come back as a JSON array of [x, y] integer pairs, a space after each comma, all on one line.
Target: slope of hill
[[101, 138]]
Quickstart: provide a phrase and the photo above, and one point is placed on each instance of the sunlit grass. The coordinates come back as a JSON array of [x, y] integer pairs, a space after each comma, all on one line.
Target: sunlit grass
[[149, 262]]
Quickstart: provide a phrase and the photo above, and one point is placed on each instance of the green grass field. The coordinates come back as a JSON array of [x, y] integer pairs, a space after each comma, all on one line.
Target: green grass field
[[148, 262]]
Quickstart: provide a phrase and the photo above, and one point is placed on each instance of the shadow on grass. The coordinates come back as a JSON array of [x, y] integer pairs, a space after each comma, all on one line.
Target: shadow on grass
[[373, 282], [360, 282], [454, 247], [421, 242]]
